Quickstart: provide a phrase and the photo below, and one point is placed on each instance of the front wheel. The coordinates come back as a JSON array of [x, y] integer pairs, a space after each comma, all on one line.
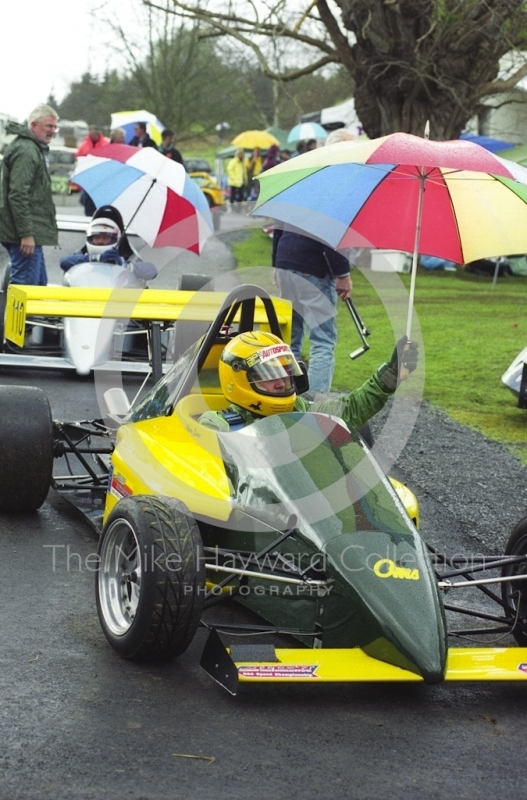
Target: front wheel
[[514, 594], [150, 583]]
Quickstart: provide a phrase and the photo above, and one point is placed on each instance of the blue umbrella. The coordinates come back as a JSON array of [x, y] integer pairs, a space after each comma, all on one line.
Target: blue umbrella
[[493, 145], [307, 130]]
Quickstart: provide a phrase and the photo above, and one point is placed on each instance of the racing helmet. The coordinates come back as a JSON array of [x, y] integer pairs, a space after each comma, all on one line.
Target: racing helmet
[[98, 226], [253, 357]]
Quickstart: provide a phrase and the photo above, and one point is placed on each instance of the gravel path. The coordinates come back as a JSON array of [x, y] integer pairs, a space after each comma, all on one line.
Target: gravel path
[[471, 490]]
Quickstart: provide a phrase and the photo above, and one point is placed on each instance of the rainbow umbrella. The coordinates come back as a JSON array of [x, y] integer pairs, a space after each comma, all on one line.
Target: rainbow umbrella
[[153, 193], [454, 199]]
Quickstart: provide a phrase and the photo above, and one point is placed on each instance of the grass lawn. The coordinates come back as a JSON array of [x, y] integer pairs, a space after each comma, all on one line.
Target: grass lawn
[[471, 334]]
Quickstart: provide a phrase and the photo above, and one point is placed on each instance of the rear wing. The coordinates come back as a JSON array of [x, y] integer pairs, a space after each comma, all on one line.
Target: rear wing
[[151, 305]]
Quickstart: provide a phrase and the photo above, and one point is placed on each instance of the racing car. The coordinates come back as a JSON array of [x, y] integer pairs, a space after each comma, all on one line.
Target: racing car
[[290, 521]]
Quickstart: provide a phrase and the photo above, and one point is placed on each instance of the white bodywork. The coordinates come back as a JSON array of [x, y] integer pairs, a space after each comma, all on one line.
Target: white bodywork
[[512, 377], [89, 343]]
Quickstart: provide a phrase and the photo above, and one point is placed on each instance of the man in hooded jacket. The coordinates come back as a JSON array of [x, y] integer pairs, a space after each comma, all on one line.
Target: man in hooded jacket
[[27, 213]]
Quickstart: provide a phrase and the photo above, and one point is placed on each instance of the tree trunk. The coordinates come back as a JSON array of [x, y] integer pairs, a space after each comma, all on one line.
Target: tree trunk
[[419, 60]]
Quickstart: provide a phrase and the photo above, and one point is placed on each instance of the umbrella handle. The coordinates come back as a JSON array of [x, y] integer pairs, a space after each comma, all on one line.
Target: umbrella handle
[[361, 328]]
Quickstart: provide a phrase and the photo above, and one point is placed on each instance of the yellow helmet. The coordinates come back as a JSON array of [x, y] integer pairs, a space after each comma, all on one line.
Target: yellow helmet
[[250, 360]]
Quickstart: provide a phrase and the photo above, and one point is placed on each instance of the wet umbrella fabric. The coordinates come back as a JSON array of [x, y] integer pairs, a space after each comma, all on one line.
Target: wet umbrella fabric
[[368, 194], [251, 139], [155, 196], [454, 200]]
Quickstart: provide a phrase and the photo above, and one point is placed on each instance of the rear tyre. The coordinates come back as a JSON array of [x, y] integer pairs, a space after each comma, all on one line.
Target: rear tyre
[[26, 445], [150, 584], [515, 594]]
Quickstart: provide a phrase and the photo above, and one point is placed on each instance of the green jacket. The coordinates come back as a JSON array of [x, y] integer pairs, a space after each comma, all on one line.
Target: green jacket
[[26, 202], [355, 409]]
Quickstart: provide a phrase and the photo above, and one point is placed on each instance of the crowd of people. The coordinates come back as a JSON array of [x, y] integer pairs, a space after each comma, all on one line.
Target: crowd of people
[[242, 170]]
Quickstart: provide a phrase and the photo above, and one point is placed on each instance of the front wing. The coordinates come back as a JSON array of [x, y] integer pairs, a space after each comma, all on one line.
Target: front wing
[[153, 306], [231, 667]]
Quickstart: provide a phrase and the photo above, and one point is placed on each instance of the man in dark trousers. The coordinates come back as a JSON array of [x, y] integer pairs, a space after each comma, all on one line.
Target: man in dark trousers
[[27, 213], [312, 275]]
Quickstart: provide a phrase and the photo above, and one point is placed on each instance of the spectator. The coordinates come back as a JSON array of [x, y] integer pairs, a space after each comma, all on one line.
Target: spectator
[[90, 142], [272, 158], [237, 176], [167, 146], [340, 135], [300, 149], [311, 145], [27, 213], [118, 136], [312, 275], [254, 167], [285, 155], [141, 138]]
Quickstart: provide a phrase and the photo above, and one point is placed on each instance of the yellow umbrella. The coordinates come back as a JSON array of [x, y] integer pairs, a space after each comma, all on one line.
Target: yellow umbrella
[[250, 139]]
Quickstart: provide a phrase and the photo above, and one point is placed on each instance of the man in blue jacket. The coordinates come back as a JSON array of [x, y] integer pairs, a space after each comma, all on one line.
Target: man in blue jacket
[[312, 275]]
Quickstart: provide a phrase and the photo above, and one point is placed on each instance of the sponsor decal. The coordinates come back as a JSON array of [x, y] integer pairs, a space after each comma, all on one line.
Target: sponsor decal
[[522, 667], [266, 353], [386, 568], [278, 671], [117, 485]]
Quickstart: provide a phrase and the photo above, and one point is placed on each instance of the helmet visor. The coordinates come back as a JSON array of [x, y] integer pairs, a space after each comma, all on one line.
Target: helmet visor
[[272, 364]]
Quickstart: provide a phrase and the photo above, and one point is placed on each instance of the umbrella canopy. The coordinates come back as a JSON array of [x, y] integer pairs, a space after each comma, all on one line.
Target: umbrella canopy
[[251, 139], [454, 200], [152, 192], [516, 154], [128, 120], [279, 134], [488, 142], [367, 193], [306, 130]]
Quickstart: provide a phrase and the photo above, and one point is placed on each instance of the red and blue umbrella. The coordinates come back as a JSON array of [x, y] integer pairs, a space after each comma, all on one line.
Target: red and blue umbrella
[[454, 199], [154, 194]]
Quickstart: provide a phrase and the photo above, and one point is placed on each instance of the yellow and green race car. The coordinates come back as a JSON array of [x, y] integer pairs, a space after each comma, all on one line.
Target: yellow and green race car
[[284, 539]]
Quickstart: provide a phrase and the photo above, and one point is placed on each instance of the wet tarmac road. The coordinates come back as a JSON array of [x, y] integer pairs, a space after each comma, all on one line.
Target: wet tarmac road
[[78, 722]]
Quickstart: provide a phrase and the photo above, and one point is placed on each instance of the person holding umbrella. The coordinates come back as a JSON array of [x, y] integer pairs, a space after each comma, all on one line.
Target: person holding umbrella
[[312, 275]]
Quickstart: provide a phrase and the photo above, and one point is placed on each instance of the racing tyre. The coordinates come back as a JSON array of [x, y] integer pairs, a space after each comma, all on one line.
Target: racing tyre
[[150, 584], [515, 594], [26, 444], [193, 282]]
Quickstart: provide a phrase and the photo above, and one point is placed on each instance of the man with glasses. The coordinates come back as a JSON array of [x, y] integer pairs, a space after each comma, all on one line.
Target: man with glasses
[[27, 213]]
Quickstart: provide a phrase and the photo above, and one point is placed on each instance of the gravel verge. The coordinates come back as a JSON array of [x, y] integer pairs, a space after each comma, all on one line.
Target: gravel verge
[[470, 488]]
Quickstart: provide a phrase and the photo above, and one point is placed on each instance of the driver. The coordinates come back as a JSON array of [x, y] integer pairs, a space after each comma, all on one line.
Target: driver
[[106, 242], [258, 374]]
